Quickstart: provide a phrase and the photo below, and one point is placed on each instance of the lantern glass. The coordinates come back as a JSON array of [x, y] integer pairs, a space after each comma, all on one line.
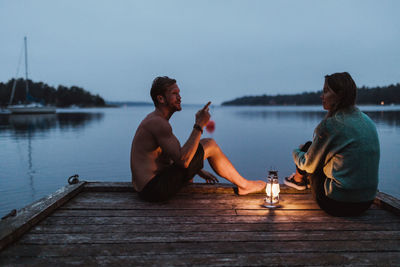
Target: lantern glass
[[272, 190]]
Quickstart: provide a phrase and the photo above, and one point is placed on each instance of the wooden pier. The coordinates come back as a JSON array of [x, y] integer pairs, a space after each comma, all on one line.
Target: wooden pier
[[107, 224]]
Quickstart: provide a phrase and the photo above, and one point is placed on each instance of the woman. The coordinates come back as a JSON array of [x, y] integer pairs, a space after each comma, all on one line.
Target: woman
[[342, 160]]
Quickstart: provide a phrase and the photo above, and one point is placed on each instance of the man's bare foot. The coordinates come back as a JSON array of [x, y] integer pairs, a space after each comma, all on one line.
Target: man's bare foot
[[252, 187]]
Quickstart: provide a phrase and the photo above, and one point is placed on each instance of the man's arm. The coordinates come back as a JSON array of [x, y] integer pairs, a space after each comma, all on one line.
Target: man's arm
[[170, 145], [189, 148]]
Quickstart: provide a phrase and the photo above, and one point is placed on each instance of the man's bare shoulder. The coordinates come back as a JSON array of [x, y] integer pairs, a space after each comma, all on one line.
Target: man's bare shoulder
[[156, 125]]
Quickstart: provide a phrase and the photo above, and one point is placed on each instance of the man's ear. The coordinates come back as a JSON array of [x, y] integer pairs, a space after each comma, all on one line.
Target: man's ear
[[160, 99]]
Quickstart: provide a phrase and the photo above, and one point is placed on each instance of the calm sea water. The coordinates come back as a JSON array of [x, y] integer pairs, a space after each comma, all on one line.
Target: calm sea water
[[39, 152]]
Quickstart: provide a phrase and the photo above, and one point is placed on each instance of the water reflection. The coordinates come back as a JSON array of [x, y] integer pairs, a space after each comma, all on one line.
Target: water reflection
[[391, 118], [29, 124], [78, 120], [267, 114], [31, 171], [25, 128]]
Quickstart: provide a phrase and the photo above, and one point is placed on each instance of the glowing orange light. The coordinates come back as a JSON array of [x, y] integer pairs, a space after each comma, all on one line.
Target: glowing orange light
[[210, 127]]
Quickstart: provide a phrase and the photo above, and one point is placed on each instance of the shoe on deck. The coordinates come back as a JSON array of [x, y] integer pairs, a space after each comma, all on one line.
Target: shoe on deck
[[289, 181]]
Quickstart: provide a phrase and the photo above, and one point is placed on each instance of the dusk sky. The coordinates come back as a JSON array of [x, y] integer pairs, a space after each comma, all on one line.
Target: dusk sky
[[217, 50]]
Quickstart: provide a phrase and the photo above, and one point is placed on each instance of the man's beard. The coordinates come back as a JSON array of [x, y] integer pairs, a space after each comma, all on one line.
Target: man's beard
[[174, 107]]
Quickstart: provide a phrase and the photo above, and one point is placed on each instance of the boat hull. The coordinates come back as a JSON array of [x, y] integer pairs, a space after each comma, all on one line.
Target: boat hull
[[32, 110]]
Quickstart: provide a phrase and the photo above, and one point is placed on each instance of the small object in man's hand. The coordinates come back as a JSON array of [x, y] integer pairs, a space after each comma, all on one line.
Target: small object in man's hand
[[210, 127]]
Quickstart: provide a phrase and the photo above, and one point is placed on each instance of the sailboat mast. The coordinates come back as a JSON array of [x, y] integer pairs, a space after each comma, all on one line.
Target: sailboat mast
[[26, 66]]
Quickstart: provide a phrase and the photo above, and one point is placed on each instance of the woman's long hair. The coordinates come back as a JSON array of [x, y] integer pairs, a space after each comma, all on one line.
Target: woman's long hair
[[345, 88]]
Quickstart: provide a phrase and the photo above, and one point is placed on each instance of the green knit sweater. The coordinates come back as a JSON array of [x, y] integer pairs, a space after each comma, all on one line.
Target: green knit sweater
[[346, 147]]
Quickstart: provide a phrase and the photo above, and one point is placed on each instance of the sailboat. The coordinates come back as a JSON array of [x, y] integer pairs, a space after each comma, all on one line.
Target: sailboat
[[28, 107]]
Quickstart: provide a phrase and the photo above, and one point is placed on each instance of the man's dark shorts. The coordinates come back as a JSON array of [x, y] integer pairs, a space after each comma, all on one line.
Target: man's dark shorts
[[169, 181]]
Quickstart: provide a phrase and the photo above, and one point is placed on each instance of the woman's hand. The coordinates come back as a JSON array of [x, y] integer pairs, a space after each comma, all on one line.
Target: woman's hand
[[208, 177]]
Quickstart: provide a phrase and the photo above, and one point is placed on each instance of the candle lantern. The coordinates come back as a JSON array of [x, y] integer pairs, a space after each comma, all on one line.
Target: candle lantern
[[272, 190]]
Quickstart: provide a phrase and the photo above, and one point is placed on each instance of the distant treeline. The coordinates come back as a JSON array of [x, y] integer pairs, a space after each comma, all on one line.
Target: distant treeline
[[128, 103], [365, 96], [41, 92]]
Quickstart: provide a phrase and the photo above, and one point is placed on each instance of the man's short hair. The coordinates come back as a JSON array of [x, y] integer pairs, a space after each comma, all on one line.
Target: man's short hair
[[159, 87]]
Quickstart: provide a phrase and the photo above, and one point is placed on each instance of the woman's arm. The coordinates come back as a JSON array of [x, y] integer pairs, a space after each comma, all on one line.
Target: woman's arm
[[315, 156]]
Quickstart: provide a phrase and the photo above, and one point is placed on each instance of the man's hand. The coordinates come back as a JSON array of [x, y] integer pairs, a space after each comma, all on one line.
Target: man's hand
[[202, 116], [208, 177]]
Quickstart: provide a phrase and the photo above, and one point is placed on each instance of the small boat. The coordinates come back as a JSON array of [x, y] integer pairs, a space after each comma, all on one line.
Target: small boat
[[29, 107], [32, 108]]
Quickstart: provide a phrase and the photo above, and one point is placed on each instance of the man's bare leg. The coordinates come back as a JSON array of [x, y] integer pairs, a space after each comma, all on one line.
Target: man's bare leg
[[224, 168]]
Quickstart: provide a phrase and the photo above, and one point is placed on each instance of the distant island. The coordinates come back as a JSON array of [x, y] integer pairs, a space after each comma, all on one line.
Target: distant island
[[61, 96], [365, 96], [128, 103]]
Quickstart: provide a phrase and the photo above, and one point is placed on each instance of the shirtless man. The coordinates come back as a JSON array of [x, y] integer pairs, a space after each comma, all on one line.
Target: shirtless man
[[161, 166]]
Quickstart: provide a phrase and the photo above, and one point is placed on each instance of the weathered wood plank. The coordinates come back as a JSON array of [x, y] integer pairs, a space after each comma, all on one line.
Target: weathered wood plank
[[90, 200], [388, 202], [130, 196], [209, 199], [191, 205], [383, 200], [173, 211], [142, 212], [110, 238], [220, 188], [109, 187], [233, 259], [179, 248], [197, 220], [13, 227], [155, 206], [124, 201], [222, 227], [265, 212], [127, 187], [229, 189], [265, 216]]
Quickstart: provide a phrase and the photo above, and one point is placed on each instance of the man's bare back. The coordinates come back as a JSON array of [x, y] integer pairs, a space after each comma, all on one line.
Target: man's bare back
[[147, 157]]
